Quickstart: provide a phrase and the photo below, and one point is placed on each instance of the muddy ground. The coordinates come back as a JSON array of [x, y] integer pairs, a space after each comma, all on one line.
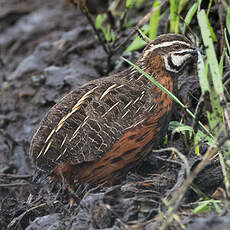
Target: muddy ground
[[47, 48]]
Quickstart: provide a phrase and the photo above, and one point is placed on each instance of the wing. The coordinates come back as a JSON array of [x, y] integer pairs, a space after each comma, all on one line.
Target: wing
[[87, 122]]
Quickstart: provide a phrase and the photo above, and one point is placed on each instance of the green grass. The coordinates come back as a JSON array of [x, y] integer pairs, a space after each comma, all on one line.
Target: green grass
[[175, 10], [190, 15], [210, 72], [167, 92], [212, 86], [184, 15], [208, 206], [154, 21]]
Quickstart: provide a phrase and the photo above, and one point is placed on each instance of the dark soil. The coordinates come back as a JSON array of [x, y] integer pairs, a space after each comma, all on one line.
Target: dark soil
[[47, 48]]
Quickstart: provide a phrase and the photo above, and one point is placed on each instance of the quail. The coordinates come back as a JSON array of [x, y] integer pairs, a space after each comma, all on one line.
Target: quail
[[98, 132]]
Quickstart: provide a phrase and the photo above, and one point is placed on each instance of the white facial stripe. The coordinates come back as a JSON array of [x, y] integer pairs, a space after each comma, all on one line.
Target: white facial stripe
[[167, 66], [165, 44], [178, 60], [179, 57]]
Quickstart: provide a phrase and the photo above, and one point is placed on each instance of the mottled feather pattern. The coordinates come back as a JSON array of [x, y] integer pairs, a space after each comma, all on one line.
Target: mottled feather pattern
[[101, 130], [95, 133]]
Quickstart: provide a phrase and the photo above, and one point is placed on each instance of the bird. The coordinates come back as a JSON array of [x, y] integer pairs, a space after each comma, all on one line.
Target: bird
[[100, 131]]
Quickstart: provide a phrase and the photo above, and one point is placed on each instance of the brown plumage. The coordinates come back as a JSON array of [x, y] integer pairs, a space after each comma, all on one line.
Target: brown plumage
[[98, 132]]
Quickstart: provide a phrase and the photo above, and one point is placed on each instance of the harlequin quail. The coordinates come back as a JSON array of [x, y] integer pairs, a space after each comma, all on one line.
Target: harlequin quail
[[98, 132]]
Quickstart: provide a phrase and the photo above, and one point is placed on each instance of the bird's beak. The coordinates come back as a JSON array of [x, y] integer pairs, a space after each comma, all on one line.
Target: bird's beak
[[198, 50]]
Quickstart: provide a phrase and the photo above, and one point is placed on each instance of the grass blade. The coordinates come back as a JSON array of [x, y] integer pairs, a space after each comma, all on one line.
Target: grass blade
[[154, 21], [189, 16], [167, 92]]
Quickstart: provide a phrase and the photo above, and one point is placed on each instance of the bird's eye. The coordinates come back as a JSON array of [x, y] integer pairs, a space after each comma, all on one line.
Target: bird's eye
[[177, 46]]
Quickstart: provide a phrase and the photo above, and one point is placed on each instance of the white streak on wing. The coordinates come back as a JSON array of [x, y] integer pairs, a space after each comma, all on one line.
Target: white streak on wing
[[63, 142], [120, 86], [138, 109], [83, 124], [152, 107], [75, 133], [110, 109], [47, 147], [80, 126], [75, 108], [41, 152], [137, 99], [139, 78], [139, 122], [50, 135], [125, 113], [108, 90], [143, 94], [127, 105], [61, 154]]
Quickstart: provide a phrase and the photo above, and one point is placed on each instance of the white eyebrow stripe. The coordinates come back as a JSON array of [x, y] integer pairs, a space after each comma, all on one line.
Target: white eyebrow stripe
[[183, 51], [165, 44]]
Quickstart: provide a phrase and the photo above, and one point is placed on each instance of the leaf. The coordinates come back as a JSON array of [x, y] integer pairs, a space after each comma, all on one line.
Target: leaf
[[156, 83], [189, 16], [99, 21], [210, 51], [208, 205], [228, 20], [137, 43], [211, 31], [154, 21], [129, 4], [173, 14]]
